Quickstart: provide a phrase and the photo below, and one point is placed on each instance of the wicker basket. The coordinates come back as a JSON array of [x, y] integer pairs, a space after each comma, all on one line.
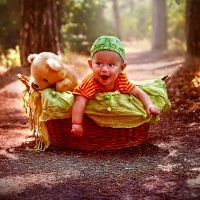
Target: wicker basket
[[95, 137]]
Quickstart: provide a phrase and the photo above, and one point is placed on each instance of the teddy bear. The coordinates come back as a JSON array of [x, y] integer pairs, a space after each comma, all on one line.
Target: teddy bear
[[48, 70]]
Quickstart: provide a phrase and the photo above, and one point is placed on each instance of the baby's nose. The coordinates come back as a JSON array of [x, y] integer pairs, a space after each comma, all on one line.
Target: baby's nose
[[105, 68]]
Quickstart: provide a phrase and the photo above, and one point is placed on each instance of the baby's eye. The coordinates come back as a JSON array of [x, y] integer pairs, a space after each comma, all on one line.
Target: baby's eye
[[98, 63], [111, 65], [45, 80]]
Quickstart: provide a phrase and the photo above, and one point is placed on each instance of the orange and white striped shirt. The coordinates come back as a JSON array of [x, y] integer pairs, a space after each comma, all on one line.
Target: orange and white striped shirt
[[89, 87]]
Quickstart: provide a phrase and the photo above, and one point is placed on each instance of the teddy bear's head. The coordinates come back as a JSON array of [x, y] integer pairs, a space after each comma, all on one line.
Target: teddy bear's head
[[48, 70]]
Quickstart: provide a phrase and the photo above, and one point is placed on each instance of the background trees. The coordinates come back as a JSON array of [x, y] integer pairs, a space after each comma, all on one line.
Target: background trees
[[9, 25], [176, 25], [78, 23], [193, 27], [39, 29], [116, 16], [159, 30], [81, 22]]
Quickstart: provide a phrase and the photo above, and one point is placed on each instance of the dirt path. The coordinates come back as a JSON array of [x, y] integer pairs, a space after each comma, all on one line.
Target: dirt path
[[147, 66], [166, 167]]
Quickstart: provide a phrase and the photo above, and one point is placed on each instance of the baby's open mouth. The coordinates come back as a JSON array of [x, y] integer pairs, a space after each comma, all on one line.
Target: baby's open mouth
[[104, 77]]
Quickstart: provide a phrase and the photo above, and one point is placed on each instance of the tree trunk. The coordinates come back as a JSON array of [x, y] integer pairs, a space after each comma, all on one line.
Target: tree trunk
[[159, 32], [193, 27], [38, 32], [116, 18]]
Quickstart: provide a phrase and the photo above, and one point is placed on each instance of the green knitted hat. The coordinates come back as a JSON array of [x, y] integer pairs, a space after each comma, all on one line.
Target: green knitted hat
[[108, 43]]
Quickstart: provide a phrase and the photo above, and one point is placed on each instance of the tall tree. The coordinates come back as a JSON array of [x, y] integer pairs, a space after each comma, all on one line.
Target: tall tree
[[159, 32], [38, 30], [193, 27], [116, 18]]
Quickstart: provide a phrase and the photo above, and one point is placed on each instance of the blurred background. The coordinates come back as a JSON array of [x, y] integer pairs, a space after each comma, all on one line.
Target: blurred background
[[69, 27]]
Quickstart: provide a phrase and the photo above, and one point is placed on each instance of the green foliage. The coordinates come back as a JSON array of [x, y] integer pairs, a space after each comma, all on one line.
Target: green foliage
[[10, 58], [81, 22], [9, 24], [176, 25], [136, 22], [178, 1]]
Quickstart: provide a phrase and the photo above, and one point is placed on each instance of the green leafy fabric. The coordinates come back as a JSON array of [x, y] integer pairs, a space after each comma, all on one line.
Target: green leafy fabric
[[108, 109], [56, 105]]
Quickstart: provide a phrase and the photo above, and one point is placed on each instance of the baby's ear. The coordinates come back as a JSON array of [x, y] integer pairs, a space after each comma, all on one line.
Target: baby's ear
[[123, 66], [90, 63], [31, 57], [54, 64]]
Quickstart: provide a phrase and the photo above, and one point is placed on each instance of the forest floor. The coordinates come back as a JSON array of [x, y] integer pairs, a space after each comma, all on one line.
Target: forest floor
[[167, 166]]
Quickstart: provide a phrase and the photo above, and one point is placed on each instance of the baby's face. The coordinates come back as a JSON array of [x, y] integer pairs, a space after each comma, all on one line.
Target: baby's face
[[106, 65]]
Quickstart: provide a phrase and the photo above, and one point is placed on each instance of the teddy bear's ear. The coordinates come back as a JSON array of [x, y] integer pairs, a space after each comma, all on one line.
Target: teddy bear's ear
[[31, 57], [54, 64]]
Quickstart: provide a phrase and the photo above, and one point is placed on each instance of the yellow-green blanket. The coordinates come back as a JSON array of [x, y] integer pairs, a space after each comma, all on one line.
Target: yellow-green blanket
[[106, 109]]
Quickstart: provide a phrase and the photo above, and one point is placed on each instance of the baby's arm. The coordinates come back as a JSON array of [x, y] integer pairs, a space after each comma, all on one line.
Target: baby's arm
[[146, 101], [77, 114]]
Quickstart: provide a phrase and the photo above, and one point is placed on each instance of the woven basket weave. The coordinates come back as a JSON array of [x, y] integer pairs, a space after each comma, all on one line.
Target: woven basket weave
[[95, 137]]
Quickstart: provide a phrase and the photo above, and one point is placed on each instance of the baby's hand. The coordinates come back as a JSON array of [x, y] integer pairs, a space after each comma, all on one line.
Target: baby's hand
[[152, 110], [77, 129]]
